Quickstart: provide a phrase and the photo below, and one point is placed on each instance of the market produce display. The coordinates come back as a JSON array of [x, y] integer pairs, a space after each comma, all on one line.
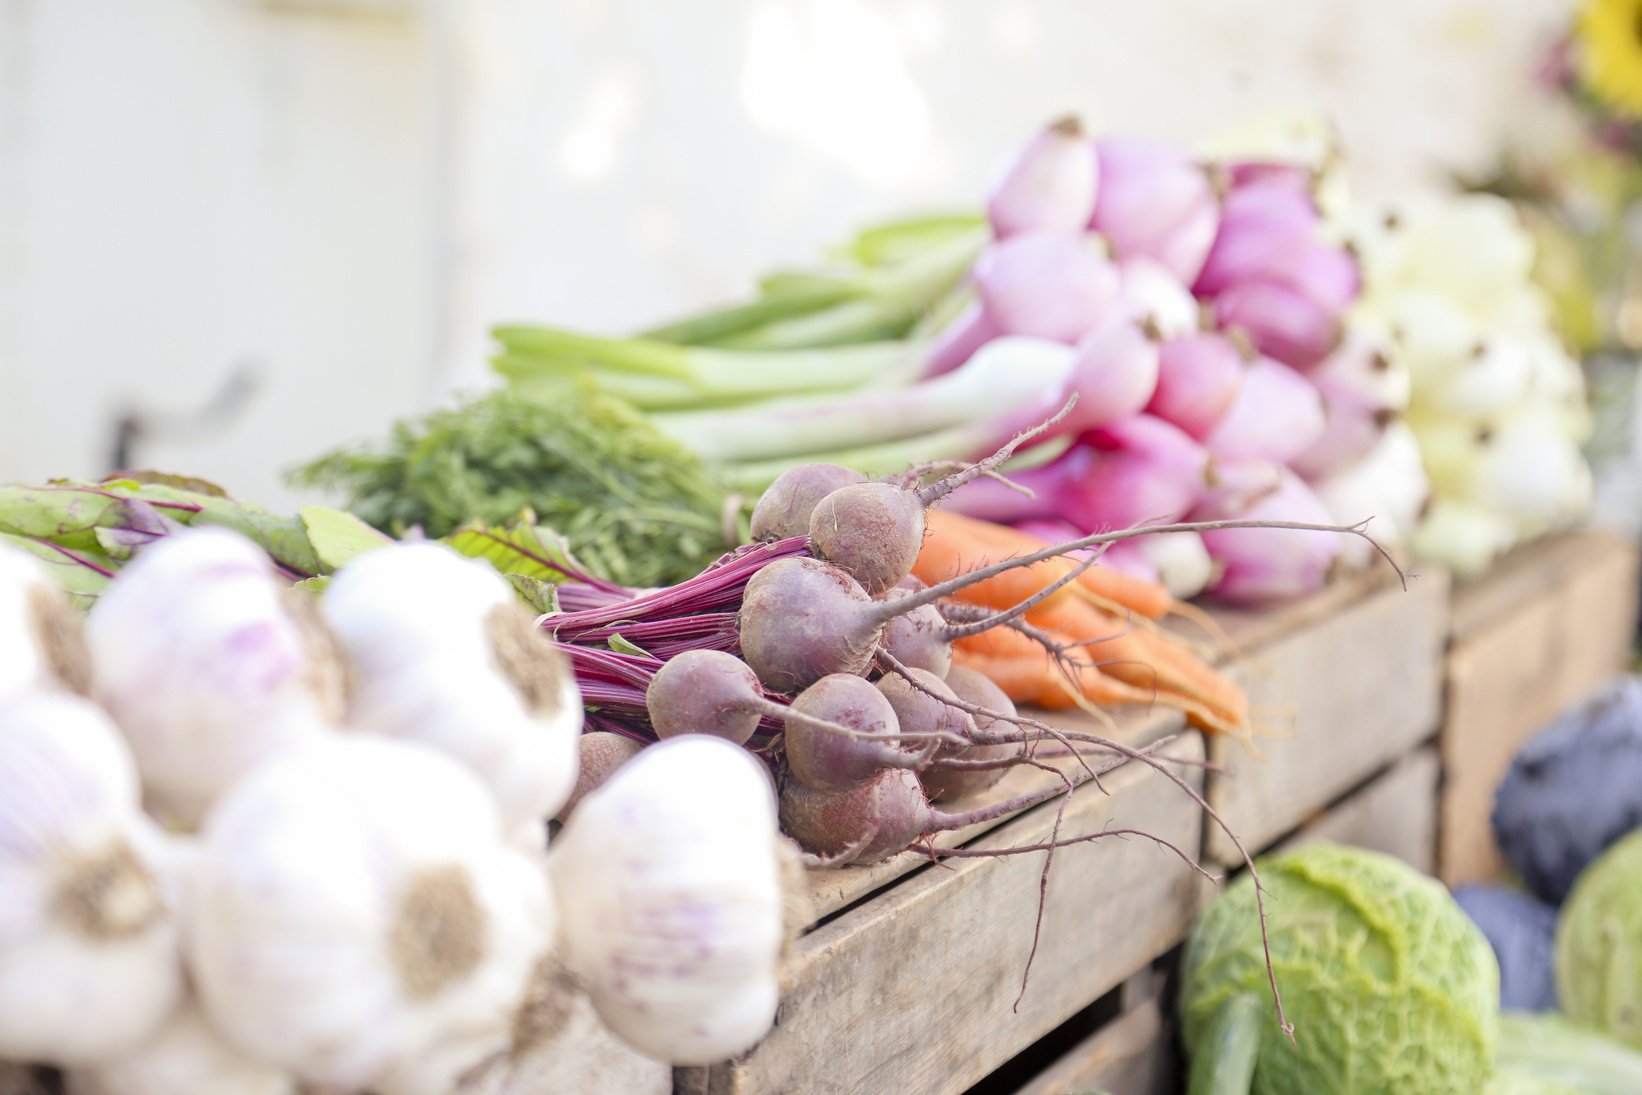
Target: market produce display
[[1201, 312], [780, 586]]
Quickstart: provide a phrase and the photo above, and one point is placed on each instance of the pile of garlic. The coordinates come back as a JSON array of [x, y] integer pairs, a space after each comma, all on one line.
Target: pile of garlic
[[1498, 408], [253, 844]]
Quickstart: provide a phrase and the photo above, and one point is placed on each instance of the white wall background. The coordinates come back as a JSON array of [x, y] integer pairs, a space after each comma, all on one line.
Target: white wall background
[[350, 199]]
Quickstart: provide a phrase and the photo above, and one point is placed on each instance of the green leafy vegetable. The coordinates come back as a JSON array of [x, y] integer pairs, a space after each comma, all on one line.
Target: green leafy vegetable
[[1562, 1056], [1390, 987], [338, 537], [1599, 944], [636, 507]]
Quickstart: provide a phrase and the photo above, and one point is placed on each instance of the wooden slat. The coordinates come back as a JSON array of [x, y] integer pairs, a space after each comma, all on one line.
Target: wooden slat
[[834, 889], [1541, 636], [585, 1058], [1359, 686], [1134, 1054], [912, 991], [1395, 814], [1525, 572]]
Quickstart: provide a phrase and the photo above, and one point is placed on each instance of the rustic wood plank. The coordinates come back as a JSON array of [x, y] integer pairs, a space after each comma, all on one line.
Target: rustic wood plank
[[912, 991], [1567, 628], [1134, 1054], [1252, 629], [834, 889], [1395, 814], [586, 1057], [1360, 687], [1524, 572]]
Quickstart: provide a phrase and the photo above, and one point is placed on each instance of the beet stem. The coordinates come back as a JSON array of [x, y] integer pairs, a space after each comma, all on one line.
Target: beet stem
[[988, 622], [782, 712], [900, 668], [940, 489], [978, 764]]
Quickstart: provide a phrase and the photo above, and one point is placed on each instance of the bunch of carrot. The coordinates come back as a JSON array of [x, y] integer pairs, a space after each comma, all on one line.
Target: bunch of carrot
[[1095, 642]]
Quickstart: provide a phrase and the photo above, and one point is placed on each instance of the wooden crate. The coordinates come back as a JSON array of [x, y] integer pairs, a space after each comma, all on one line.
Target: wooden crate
[[1356, 674], [1531, 639], [1395, 813], [914, 989], [1133, 1054]]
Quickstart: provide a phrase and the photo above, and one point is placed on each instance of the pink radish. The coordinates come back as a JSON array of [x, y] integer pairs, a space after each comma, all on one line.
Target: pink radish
[[1050, 186], [1197, 379]]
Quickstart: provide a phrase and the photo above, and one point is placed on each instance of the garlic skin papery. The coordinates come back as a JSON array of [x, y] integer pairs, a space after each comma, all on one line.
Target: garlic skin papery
[[185, 1055], [671, 906], [88, 940], [441, 652], [41, 640], [207, 667], [355, 918]]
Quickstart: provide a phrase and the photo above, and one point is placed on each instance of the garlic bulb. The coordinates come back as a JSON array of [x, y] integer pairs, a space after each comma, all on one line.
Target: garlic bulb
[[203, 661], [185, 1055], [88, 943], [40, 636], [442, 653], [672, 903], [355, 918]]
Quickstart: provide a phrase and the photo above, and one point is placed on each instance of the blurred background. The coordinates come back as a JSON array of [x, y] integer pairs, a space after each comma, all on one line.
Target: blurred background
[[259, 229]]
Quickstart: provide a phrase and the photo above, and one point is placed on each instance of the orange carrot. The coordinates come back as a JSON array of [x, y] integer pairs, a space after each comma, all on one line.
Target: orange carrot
[[1142, 657], [955, 544]]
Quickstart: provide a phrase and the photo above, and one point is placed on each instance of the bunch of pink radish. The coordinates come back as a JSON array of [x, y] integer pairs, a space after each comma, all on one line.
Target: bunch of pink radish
[[1216, 372]]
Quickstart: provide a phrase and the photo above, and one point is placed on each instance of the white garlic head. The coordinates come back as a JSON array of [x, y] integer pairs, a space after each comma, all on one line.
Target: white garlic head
[[441, 652], [669, 879], [355, 917], [185, 1055], [41, 644], [88, 940], [206, 664]]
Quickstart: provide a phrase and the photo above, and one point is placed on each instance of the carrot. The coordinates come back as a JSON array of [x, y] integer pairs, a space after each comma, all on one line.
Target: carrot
[[1143, 657], [1130, 660], [955, 544]]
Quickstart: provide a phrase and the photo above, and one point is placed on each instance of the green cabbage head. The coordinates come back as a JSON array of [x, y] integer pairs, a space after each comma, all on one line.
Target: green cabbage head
[[1599, 944], [1390, 987]]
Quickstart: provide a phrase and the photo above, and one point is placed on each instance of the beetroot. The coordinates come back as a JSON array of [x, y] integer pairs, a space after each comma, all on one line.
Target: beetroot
[[829, 761], [918, 638], [945, 783], [785, 507], [863, 825], [601, 753]]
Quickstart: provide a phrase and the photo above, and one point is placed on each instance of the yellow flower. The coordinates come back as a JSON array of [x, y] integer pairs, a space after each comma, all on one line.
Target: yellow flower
[[1610, 38]]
